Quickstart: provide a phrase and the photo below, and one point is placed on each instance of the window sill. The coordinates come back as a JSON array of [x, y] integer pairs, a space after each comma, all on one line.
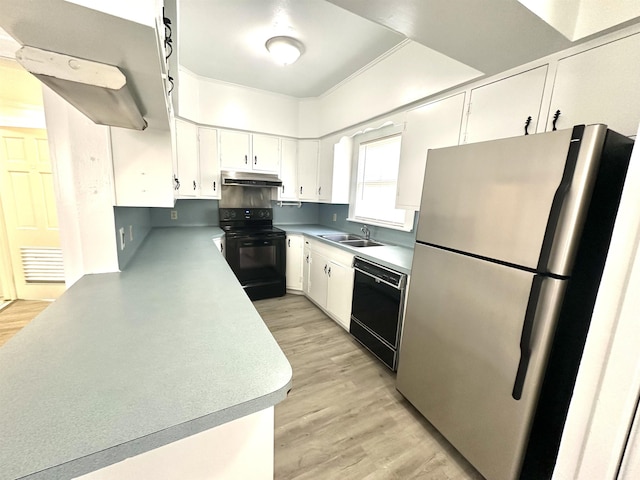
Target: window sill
[[390, 226]]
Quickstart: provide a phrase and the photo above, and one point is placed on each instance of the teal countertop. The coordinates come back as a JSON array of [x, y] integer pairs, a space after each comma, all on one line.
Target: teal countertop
[[392, 256], [126, 362]]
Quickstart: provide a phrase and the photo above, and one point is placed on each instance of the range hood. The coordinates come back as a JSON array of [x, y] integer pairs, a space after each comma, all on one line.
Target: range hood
[[247, 179], [98, 90]]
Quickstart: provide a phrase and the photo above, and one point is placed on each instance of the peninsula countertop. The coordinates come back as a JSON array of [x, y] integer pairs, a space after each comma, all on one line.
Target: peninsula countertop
[[126, 362]]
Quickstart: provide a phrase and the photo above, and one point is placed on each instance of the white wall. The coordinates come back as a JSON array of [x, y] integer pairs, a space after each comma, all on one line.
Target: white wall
[[608, 381], [223, 104], [408, 74], [83, 183]]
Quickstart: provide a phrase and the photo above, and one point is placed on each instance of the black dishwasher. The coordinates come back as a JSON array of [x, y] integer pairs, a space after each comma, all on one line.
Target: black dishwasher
[[377, 309]]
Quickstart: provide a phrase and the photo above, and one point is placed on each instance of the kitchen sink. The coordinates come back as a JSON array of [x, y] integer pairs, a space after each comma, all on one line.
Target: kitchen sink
[[361, 243], [341, 237]]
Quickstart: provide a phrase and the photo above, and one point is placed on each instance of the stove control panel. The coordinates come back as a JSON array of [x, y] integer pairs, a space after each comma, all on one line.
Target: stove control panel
[[246, 214]]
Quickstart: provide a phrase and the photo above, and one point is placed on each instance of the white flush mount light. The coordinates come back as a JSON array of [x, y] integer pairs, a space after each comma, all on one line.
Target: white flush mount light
[[284, 50]]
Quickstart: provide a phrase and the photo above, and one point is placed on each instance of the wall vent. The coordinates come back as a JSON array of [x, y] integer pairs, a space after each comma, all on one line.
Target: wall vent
[[42, 264]]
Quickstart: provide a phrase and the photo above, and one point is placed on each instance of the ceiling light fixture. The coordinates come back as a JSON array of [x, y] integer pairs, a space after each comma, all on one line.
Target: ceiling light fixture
[[284, 50]]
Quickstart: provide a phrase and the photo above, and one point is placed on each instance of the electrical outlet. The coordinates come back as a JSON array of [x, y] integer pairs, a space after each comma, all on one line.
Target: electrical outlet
[[335, 217], [131, 233], [121, 238], [174, 214]]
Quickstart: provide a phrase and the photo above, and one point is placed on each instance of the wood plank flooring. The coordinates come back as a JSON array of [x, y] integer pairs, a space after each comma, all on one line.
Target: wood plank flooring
[[343, 418], [14, 317]]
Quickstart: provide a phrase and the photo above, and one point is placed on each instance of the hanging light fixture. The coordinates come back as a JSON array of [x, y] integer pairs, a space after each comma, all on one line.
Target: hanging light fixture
[[284, 50]]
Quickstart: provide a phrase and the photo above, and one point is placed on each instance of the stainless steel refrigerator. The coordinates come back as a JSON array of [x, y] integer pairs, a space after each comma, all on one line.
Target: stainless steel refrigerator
[[511, 243]]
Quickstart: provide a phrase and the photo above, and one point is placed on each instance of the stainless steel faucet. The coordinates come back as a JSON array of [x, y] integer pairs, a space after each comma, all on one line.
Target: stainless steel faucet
[[366, 231]]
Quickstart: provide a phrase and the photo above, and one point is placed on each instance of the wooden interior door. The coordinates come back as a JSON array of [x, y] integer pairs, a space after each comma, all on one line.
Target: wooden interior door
[[30, 215]]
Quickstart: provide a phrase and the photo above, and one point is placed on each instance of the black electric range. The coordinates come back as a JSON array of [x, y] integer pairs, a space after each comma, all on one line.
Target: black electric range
[[255, 250]]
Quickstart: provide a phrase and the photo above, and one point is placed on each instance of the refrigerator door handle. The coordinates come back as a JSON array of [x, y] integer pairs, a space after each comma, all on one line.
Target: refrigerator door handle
[[525, 339]]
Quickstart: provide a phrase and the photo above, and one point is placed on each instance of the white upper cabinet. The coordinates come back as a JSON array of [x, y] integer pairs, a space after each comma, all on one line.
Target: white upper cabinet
[[265, 153], [500, 109], [599, 86], [143, 167], [209, 162], [249, 152], [187, 148], [334, 170], [307, 170], [434, 125], [198, 161], [325, 170], [288, 170], [235, 150]]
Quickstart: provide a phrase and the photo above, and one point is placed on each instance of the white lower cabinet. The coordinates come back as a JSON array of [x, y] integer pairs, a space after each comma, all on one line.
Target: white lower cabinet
[[340, 292], [306, 267], [330, 280], [295, 251]]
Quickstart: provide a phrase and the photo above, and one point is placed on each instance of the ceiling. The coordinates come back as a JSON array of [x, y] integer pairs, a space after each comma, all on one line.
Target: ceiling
[[225, 40]]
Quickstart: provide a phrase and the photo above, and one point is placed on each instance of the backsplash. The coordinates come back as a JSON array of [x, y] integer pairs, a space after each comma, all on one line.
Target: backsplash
[[190, 213], [136, 222], [204, 213], [293, 215], [388, 235]]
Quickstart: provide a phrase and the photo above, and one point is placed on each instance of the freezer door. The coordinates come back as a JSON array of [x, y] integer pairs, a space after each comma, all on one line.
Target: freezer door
[[508, 198], [473, 353]]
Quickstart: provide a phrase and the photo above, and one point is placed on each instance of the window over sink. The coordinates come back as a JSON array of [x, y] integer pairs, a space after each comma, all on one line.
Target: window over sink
[[374, 193]]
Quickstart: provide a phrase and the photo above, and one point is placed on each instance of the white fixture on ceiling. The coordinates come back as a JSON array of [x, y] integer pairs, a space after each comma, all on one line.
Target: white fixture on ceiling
[[284, 50], [98, 90]]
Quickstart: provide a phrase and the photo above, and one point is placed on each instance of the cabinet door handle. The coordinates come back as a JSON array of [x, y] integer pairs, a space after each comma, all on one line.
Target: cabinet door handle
[[214, 186], [319, 190], [555, 119], [289, 241], [526, 125], [194, 184], [307, 258], [283, 188], [177, 182], [300, 190], [246, 159], [325, 268], [255, 160], [329, 272]]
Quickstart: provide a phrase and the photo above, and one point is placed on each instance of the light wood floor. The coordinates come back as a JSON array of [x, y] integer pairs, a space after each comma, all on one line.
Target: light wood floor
[[14, 317], [343, 418]]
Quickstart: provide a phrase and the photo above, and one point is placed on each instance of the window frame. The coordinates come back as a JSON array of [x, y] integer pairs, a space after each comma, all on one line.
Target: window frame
[[361, 140]]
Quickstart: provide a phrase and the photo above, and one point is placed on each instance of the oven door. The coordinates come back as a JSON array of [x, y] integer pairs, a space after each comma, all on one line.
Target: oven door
[[258, 261]]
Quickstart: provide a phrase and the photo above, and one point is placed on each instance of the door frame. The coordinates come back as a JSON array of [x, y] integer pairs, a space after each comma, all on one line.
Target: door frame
[[7, 284]]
